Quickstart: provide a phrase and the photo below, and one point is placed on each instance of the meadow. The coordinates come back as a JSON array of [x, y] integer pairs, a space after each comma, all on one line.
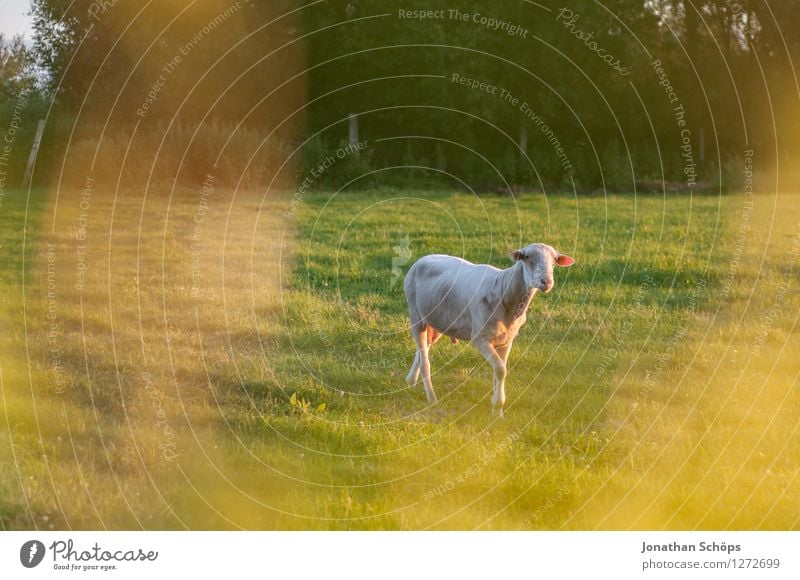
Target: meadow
[[212, 359]]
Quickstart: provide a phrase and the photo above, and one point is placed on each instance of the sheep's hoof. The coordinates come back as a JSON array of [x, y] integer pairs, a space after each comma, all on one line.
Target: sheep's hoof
[[498, 412]]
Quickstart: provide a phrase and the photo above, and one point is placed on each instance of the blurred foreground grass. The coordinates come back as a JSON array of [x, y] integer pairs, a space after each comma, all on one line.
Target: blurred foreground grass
[[233, 360]]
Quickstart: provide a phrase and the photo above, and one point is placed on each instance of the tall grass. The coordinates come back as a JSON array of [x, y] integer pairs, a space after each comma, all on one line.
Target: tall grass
[[175, 155], [19, 228]]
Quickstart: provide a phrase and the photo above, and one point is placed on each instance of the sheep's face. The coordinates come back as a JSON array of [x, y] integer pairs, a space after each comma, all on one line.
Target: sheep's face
[[538, 261]]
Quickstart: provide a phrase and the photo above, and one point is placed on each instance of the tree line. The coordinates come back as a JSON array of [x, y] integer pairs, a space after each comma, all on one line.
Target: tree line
[[632, 93], [515, 94]]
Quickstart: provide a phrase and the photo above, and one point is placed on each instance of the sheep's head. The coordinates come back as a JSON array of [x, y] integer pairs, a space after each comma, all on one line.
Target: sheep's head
[[538, 261]]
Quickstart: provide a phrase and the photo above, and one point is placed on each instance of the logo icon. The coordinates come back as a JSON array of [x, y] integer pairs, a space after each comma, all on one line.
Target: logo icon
[[402, 256], [31, 553]]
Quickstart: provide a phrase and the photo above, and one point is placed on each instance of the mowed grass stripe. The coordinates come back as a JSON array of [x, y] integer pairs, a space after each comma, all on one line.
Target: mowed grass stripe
[[645, 396], [444, 238]]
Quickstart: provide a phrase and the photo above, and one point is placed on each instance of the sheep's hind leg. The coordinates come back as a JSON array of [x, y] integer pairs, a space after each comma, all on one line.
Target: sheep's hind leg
[[421, 360], [413, 374]]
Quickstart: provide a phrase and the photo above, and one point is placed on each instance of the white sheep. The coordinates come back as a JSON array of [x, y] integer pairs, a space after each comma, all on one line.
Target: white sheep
[[476, 302]]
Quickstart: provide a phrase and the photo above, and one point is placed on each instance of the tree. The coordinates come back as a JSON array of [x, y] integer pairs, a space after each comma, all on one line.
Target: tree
[[114, 54], [16, 68]]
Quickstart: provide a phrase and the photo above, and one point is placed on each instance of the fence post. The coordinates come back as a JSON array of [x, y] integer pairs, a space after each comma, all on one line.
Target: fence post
[[353, 134], [34, 151], [702, 145]]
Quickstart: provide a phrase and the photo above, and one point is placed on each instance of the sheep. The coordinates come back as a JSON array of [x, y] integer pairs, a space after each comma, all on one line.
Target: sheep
[[450, 296]]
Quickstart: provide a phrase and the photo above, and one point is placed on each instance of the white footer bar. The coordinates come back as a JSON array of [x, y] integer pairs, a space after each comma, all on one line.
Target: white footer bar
[[406, 555]]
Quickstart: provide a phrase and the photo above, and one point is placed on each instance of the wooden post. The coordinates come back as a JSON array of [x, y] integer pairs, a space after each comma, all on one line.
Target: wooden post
[[702, 145], [523, 139], [34, 151], [353, 134]]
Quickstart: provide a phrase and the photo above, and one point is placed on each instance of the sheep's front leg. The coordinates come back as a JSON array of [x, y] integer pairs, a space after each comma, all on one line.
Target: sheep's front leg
[[503, 352], [494, 358]]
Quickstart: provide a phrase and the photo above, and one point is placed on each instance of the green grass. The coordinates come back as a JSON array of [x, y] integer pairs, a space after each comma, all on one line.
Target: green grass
[[640, 303], [19, 224], [645, 391]]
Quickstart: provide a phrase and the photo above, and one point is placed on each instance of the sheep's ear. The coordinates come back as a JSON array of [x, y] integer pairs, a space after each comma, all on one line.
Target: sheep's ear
[[563, 260], [517, 255]]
